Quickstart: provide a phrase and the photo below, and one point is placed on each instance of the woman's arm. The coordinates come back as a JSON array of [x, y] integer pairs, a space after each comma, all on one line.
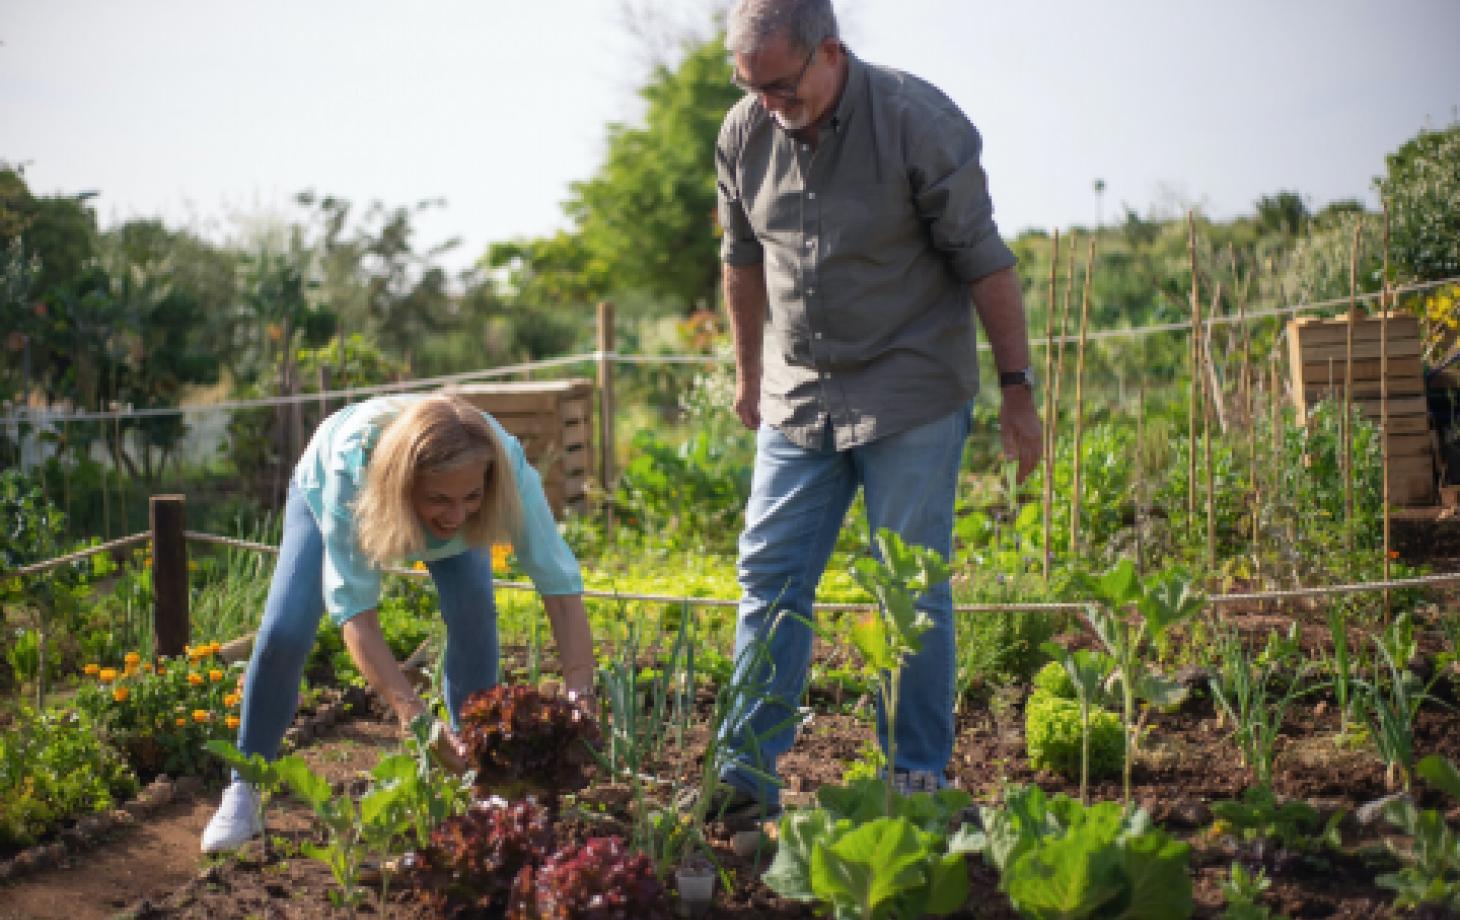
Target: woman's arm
[[569, 621], [376, 661]]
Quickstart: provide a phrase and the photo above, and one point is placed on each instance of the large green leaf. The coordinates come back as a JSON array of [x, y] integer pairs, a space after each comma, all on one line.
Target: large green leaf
[[870, 636], [947, 887], [1440, 773], [789, 874], [868, 865], [313, 788], [1160, 888], [1069, 877]]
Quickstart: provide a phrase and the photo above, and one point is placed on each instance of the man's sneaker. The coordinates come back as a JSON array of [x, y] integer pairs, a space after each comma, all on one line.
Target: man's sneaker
[[908, 782], [238, 819], [737, 809]]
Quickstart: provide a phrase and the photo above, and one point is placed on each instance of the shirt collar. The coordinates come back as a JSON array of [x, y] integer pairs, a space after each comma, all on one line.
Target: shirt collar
[[853, 91]]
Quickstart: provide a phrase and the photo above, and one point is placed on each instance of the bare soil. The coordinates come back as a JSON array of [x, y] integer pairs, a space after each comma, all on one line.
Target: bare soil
[[153, 869]]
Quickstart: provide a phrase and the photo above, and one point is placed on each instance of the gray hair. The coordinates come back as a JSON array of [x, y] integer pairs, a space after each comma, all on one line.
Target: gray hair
[[753, 23]]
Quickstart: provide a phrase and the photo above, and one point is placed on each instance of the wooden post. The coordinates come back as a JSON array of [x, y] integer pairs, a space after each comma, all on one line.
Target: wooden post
[[1050, 434], [1080, 405], [1194, 393], [169, 575], [1346, 435], [606, 406], [1386, 304]]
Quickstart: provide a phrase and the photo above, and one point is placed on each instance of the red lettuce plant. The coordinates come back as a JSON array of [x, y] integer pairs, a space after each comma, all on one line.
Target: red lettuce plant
[[522, 742], [474, 858], [601, 880]]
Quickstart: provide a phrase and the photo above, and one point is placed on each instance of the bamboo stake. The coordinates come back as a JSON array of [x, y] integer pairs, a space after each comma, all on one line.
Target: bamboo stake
[[1208, 404], [1080, 404], [1064, 327], [1140, 473], [1385, 307], [1244, 397], [1347, 442], [1049, 420], [1193, 393]]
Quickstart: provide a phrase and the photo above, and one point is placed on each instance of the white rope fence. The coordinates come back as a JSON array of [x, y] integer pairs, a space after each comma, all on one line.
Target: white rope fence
[[596, 357], [1393, 584]]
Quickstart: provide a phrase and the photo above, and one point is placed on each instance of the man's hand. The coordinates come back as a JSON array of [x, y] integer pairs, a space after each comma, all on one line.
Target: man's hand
[[1020, 429], [747, 400]]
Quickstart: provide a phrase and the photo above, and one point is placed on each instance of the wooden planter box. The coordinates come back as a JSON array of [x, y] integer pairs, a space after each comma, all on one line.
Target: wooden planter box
[[1317, 349], [554, 421]]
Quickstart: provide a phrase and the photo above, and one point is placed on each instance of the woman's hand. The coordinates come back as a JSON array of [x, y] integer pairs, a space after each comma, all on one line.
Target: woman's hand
[[447, 747]]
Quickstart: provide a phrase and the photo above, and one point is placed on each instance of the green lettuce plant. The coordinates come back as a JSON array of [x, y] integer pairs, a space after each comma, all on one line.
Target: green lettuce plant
[[1081, 675], [1431, 862], [1060, 859]]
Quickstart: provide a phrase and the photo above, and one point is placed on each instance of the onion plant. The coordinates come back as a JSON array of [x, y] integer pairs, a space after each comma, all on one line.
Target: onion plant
[[1390, 701], [1245, 691]]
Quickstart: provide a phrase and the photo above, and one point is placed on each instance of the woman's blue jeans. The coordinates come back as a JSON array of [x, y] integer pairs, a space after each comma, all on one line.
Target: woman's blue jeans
[[296, 603], [798, 501]]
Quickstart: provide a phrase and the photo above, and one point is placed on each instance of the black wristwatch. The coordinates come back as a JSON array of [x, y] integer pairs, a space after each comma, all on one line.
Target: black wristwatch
[[1024, 378]]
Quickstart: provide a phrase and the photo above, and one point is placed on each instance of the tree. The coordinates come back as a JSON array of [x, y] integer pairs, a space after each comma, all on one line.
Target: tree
[[1422, 188]]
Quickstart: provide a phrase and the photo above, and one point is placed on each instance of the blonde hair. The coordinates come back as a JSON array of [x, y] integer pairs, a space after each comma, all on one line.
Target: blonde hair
[[435, 435]]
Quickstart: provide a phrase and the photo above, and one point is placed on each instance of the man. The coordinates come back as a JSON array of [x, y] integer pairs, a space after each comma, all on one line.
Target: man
[[857, 224]]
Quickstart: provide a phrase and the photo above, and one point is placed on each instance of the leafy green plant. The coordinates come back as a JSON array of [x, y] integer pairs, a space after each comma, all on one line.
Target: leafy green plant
[[1071, 739], [1060, 859], [1291, 826], [896, 577], [1390, 701], [1431, 870], [1243, 891], [866, 854], [55, 765], [1081, 675], [1159, 601]]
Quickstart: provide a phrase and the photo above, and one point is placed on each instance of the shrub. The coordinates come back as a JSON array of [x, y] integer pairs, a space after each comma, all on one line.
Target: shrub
[[54, 766], [1052, 737], [602, 878], [474, 858], [521, 741], [1053, 680]]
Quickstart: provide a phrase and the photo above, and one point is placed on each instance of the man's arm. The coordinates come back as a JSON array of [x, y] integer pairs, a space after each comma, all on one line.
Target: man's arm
[[1000, 307], [746, 299]]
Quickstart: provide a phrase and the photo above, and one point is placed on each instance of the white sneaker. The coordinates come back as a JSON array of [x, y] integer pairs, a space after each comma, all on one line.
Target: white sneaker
[[239, 819]]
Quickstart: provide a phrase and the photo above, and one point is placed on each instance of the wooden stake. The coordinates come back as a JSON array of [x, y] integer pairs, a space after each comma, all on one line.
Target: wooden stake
[[1049, 421], [1080, 405], [1346, 434], [1385, 306], [169, 576], [1193, 392], [1208, 404], [1140, 459], [606, 407]]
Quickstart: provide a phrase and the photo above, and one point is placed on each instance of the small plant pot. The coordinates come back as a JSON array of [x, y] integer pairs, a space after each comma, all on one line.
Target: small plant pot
[[696, 886]]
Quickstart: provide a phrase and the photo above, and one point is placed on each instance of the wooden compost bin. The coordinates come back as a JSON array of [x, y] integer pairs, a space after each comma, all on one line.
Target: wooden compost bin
[[553, 420], [1317, 349]]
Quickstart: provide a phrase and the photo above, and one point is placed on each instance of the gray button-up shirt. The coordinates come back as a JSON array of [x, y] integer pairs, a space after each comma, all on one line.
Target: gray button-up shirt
[[869, 242]]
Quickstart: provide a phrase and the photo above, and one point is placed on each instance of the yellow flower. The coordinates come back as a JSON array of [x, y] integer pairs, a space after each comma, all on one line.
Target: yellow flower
[[107, 675], [231, 700], [195, 678], [128, 671], [419, 566], [200, 716], [132, 659], [500, 552], [161, 670], [147, 667], [181, 722], [120, 694], [231, 722], [92, 670], [215, 675], [214, 648], [192, 565]]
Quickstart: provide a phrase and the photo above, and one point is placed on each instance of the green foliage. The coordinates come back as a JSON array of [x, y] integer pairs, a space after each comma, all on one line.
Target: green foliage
[[1431, 863], [1243, 891], [1052, 680], [55, 765], [1060, 859], [1292, 825], [1054, 739], [866, 854], [1254, 692], [1422, 188]]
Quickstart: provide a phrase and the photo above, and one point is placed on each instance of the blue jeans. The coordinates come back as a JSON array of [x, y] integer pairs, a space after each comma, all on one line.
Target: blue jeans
[[296, 603], [798, 501]]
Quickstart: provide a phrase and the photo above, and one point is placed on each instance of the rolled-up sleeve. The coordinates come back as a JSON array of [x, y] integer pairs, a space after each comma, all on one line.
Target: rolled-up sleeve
[[738, 242], [541, 551], [952, 196]]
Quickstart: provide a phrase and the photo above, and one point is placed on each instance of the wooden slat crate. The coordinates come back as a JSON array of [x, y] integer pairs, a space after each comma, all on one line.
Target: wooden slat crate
[[1316, 357], [554, 421]]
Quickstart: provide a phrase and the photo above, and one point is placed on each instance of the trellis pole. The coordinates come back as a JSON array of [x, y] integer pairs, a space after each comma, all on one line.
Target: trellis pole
[[1080, 404], [1049, 417], [1193, 394]]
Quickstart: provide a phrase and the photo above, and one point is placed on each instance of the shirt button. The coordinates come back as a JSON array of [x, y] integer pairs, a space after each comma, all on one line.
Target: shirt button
[[818, 335], [811, 195], [810, 291], [810, 244], [805, 146]]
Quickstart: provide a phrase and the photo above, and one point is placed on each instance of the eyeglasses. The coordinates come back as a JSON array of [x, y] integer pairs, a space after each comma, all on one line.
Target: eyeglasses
[[783, 89]]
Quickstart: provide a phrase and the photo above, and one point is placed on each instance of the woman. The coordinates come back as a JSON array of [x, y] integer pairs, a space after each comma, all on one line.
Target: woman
[[384, 481]]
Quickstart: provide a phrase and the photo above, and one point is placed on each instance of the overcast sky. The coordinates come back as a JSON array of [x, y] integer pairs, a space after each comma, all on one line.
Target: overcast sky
[[202, 113]]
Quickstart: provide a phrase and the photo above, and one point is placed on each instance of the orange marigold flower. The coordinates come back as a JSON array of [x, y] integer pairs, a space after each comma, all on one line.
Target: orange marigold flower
[[419, 566], [215, 675], [200, 716], [120, 694], [500, 552], [107, 675], [161, 669], [214, 648], [181, 722], [147, 667], [132, 659], [231, 700], [195, 678], [92, 670], [231, 722]]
